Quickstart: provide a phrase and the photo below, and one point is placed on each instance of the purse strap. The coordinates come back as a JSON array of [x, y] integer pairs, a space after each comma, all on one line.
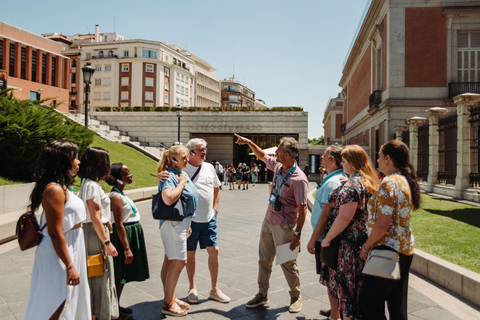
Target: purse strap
[[196, 173]]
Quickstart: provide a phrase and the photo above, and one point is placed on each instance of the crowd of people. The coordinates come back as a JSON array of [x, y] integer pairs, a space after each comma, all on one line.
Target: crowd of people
[[353, 210]]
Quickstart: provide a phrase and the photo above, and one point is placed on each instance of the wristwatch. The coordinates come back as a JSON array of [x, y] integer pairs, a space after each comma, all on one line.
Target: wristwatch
[[298, 234], [106, 243]]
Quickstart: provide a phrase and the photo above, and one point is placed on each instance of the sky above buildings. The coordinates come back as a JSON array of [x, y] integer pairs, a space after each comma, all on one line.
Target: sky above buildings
[[291, 53]]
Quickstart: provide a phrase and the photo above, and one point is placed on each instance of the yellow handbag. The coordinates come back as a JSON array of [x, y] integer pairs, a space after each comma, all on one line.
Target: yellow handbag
[[95, 265]]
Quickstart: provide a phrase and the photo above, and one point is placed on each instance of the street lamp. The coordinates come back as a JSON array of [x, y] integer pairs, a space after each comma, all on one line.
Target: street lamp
[[179, 115], [88, 71], [39, 94]]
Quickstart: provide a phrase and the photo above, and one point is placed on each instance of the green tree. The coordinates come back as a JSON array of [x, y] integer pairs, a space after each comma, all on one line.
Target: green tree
[[25, 128], [317, 141]]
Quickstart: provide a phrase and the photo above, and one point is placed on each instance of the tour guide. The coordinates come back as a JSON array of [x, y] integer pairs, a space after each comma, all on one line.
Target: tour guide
[[284, 219]]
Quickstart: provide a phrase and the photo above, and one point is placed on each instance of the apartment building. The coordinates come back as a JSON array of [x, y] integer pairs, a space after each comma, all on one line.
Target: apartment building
[[235, 94], [332, 121], [36, 66], [408, 56]]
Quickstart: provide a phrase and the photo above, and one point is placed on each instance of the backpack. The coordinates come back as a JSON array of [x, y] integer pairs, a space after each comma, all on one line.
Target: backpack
[[28, 232]]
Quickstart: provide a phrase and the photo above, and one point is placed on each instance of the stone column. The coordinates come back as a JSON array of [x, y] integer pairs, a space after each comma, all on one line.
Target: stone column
[[464, 165], [413, 124], [433, 142], [399, 130]]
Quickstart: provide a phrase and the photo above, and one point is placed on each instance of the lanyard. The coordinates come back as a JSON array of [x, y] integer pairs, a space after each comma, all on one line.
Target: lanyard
[[355, 175], [134, 208], [331, 175], [71, 189], [284, 179]]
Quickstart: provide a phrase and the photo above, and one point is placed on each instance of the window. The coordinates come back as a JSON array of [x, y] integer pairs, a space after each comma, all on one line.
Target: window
[[54, 71], [125, 67], [44, 68], [34, 64], [107, 81], [149, 67], [108, 67], [233, 98], [178, 88], [107, 96], [98, 82], [167, 72], [89, 55], [101, 54], [97, 96], [182, 90], [125, 81], [468, 57], [149, 82], [34, 95], [1, 54], [186, 91], [181, 102], [232, 105], [177, 101], [183, 77], [166, 98], [98, 67], [167, 85], [126, 54], [166, 58], [150, 54], [74, 78], [23, 62], [74, 63], [149, 96], [11, 70], [110, 53], [124, 95]]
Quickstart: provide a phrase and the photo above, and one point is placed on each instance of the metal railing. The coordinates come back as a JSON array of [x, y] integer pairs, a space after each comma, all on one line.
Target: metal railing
[[456, 88]]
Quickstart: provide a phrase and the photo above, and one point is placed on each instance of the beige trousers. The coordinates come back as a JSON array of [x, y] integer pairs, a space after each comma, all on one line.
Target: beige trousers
[[272, 236]]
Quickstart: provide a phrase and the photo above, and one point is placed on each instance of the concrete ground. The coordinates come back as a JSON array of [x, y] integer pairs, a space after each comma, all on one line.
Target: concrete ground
[[240, 216]]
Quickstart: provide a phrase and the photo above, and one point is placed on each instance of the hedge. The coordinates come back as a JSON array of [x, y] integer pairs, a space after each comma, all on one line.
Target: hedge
[[25, 128], [193, 109]]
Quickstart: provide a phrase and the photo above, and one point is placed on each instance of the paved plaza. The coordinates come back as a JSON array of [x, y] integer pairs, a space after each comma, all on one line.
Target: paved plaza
[[240, 216]]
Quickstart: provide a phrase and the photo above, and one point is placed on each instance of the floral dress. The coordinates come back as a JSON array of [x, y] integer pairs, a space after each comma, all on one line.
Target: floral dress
[[347, 276]]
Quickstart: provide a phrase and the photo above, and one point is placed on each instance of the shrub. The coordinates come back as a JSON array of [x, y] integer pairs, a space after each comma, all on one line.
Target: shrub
[[25, 128]]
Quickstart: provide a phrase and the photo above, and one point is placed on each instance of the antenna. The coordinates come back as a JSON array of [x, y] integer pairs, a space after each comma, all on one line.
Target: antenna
[[114, 24], [234, 69]]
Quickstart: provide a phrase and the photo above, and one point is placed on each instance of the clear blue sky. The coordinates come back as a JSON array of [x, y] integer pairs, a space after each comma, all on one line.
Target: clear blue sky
[[290, 53]]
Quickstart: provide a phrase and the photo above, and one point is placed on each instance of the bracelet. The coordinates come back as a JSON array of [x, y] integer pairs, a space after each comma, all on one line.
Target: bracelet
[[71, 264], [363, 248]]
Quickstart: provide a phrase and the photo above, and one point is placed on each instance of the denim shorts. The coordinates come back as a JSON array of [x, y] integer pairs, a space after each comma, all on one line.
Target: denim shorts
[[203, 232]]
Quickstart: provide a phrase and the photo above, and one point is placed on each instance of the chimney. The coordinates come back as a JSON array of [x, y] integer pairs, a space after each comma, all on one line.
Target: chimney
[[97, 33]]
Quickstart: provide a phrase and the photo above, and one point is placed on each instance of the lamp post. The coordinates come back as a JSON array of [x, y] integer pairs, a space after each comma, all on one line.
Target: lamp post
[[88, 71], [39, 94], [179, 115]]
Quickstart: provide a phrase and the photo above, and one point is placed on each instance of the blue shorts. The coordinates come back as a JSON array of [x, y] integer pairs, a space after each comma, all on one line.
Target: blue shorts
[[203, 232]]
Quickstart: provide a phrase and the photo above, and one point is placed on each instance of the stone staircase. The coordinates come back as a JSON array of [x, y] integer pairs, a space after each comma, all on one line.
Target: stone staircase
[[113, 134]]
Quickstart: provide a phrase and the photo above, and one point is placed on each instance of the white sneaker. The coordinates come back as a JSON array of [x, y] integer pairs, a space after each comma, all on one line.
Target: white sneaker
[[219, 296], [192, 296]]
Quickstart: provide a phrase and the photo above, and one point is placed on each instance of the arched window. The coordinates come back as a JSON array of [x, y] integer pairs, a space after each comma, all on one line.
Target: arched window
[[110, 54], [100, 54]]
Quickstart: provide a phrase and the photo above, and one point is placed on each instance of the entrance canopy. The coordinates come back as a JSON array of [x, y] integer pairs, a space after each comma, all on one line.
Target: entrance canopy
[[269, 151]]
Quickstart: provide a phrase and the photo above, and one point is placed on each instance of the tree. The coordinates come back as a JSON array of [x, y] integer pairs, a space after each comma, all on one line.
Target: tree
[[317, 141]]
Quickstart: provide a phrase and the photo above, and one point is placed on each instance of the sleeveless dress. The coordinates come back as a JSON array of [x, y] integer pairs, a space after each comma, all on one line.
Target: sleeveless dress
[[48, 288]]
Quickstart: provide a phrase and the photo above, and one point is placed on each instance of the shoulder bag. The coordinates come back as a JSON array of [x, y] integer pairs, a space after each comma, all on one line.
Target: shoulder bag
[[174, 212], [329, 255], [384, 263]]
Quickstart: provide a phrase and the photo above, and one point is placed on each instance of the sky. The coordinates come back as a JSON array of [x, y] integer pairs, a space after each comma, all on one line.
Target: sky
[[290, 52]]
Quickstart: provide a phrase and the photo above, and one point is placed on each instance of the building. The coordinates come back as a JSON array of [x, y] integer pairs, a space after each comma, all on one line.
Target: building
[[207, 85], [409, 57], [235, 94], [332, 121], [36, 67]]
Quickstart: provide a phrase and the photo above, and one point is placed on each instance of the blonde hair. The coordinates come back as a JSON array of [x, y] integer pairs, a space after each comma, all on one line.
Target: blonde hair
[[359, 160], [168, 155]]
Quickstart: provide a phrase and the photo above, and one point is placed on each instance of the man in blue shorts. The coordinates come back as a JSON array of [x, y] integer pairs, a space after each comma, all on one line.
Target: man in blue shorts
[[204, 225]]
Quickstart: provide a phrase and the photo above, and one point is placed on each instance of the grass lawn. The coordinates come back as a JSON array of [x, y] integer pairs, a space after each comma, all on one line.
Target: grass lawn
[[143, 168], [448, 230]]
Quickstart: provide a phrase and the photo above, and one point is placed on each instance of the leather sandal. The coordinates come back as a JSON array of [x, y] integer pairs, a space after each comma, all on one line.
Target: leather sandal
[[325, 313], [170, 310], [182, 304]]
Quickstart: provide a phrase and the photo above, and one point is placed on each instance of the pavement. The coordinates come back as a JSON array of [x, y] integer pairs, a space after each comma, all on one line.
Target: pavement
[[240, 217]]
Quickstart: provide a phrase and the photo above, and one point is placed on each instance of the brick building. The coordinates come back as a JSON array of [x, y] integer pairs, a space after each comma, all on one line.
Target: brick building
[[332, 120], [235, 94], [407, 57], [36, 66]]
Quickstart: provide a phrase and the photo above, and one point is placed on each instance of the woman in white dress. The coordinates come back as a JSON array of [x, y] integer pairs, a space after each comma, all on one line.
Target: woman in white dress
[[59, 287], [97, 229]]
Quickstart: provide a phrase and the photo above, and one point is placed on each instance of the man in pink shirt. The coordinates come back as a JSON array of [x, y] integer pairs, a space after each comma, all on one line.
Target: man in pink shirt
[[286, 212]]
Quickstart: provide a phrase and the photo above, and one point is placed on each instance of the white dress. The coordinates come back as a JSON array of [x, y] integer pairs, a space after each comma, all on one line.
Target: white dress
[[49, 288]]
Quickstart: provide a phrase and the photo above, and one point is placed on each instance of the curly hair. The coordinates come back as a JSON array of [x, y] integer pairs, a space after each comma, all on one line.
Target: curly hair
[[53, 165]]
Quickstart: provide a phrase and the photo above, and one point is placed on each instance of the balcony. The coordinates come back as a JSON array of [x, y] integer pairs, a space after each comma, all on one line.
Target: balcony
[[456, 88], [376, 98]]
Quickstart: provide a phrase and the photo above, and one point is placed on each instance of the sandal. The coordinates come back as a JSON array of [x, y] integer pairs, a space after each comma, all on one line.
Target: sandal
[[182, 304], [172, 311], [125, 310]]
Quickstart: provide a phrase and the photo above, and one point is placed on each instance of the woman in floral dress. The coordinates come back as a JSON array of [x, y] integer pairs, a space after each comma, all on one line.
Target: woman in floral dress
[[347, 221]]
